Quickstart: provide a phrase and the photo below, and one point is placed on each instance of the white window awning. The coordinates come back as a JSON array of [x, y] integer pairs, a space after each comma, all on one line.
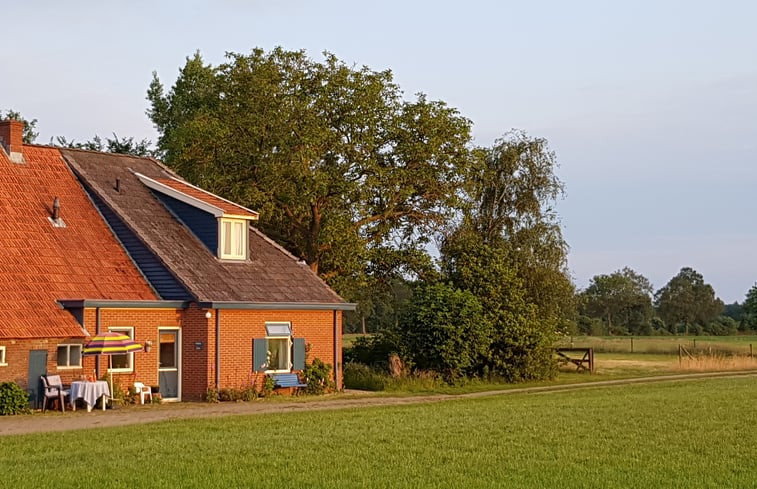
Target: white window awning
[[278, 329]]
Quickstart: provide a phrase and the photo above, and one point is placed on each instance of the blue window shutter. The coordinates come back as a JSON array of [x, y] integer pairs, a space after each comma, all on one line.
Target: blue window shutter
[[259, 354], [298, 362]]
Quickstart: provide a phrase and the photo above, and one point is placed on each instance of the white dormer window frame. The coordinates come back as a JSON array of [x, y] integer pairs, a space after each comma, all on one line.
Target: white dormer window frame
[[233, 239]]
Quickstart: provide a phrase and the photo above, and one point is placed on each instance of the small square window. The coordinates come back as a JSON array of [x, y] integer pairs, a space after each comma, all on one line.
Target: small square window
[[69, 356], [123, 362]]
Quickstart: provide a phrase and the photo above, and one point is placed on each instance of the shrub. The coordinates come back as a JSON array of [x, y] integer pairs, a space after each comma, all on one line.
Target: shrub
[[318, 377], [446, 331], [13, 399], [362, 377], [211, 395]]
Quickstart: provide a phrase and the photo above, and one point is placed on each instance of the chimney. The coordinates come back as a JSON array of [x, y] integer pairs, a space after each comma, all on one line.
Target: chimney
[[12, 139], [56, 209]]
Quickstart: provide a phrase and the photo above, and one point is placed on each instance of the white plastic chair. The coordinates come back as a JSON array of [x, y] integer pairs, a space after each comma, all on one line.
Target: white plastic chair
[[143, 391]]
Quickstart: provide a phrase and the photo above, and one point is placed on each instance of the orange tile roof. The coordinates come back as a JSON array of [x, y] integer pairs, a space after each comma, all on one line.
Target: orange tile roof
[[227, 207], [40, 264]]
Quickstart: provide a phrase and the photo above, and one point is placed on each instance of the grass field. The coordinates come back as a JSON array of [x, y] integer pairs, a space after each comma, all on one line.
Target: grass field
[[664, 344], [683, 434]]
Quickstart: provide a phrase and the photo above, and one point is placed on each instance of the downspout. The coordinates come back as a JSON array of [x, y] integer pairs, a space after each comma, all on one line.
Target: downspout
[[336, 352], [218, 349], [97, 332]]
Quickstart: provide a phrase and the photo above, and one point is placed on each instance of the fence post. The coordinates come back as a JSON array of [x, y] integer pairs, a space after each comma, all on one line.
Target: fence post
[[695, 344], [750, 351], [631, 344], [679, 355]]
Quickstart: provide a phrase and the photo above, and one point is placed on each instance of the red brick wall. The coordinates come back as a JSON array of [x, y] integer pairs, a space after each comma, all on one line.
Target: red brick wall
[[238, 329], [197, 362], [17, 359], [12, 132]]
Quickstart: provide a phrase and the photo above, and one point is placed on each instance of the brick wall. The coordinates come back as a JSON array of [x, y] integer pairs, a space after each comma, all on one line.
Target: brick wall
[[198, 353], [240, 327], [145, 323]]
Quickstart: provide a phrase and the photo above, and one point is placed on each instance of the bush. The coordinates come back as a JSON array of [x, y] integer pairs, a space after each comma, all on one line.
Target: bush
[[318, 377], [363, 377], [13, 399], [446, 331]]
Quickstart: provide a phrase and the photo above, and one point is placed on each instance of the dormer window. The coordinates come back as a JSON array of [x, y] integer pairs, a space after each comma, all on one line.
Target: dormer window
[[221, 225], [233, 242]]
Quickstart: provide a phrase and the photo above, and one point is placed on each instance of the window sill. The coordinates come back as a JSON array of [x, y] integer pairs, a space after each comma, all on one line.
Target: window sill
[[73, 367], [3, 364]]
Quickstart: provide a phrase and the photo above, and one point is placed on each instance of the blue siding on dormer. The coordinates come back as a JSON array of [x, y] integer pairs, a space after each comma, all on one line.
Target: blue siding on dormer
[[202, 224], [159, 277]]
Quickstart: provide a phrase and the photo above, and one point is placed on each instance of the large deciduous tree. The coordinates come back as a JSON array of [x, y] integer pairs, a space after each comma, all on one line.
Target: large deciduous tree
[[508, 250], [621, 299], [342, 168], [687, 299]]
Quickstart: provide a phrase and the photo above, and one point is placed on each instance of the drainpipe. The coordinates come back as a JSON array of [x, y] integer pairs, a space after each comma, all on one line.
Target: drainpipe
[[218, 348], [336, 352], [97, 332]]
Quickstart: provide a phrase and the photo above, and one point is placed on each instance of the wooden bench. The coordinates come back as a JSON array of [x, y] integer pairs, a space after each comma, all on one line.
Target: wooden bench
[[585, 362], [286, 381]]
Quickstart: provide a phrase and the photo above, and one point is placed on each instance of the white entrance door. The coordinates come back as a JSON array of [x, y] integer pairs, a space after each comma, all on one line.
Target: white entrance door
[[169, 368]]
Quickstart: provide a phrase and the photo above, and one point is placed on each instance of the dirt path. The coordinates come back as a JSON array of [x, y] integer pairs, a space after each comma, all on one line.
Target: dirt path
[[81, 419]]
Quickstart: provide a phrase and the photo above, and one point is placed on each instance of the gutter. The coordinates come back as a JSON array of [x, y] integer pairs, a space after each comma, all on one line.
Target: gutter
[[267, 306]]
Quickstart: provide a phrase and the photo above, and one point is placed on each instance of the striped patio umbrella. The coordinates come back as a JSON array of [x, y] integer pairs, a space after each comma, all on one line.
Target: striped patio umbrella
[[110, 343]]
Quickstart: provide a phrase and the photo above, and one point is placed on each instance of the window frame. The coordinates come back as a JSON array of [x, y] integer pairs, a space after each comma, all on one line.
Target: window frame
[[128, 331], [243, 239], [278, 337], [3, 359], [68, 356]]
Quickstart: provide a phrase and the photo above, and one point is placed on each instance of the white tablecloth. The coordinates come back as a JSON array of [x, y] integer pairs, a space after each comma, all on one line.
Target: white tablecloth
[[89, 391]]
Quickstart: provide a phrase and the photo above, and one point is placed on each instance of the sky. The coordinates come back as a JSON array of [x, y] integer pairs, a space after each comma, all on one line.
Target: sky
[[650, 106]]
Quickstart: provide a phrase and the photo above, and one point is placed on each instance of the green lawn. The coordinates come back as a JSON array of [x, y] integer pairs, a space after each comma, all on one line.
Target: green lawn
[[684, 434]]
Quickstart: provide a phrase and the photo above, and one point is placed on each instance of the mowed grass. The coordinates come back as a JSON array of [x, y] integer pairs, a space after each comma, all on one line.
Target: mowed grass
[[683, 434]]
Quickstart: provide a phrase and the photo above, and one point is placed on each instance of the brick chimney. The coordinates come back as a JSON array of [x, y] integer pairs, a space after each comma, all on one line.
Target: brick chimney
[[12, 139]]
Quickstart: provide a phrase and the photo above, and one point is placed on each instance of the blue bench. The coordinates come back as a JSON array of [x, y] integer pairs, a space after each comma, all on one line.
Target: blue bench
[[287, 380]]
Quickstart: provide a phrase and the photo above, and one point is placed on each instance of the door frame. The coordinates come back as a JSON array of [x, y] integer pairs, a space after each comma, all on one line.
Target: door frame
[[177, 331]]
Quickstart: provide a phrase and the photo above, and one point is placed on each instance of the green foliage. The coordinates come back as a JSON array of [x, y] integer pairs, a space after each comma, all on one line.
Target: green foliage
[[30, 135], [511, 208], [269, 384], [374, 350], [622, 300], [687, 300], [125, 145], [13, 399], [317, 376], [211, 395], [521, 337], [362, 377], [445, 330], [347, 175]]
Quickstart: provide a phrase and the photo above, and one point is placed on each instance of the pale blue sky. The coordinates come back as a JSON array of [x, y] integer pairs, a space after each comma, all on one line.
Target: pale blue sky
[[651, 107]]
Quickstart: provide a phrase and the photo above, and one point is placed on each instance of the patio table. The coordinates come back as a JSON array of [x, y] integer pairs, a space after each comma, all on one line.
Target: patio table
[[90, 392]]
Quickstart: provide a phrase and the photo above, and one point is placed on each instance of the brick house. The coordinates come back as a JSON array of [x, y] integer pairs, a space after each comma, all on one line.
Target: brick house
[[92, 242]]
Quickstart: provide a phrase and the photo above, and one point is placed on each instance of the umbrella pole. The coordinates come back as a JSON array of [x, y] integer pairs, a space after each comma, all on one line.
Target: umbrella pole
[[110, 369]]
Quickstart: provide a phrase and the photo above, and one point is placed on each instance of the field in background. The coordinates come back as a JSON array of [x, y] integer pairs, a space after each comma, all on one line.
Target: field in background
[[672, 434], [666, 344], [617, 357]]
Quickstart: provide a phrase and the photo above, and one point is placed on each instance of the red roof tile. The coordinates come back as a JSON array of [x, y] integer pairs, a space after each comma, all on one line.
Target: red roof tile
[[40, 264], [229, 208]]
